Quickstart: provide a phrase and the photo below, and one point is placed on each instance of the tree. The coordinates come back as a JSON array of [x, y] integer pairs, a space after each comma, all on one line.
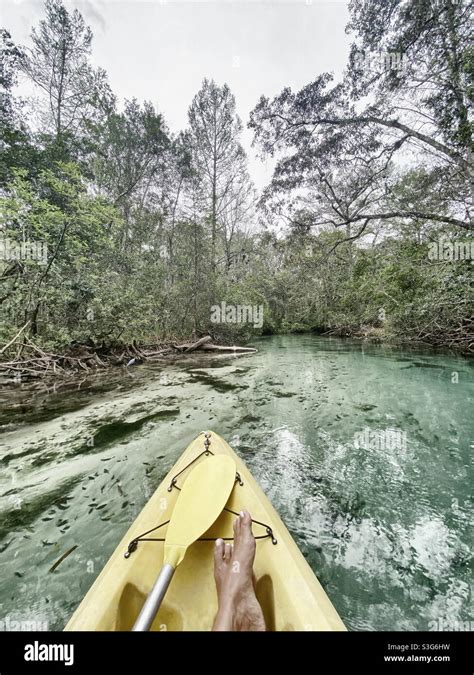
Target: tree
[[217, 156], [16, 148], [131, 153], [67, 232], [347, 151], [58, 64]]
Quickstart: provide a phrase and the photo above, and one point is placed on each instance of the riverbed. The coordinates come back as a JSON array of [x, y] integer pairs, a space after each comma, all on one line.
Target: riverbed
[[364, 450]]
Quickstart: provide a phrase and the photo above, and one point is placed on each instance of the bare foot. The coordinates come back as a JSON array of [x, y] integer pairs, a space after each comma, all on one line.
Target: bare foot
[[239, 609]]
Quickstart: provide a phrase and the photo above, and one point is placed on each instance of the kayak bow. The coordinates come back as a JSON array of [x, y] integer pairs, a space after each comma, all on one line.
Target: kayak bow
[[287, 589]]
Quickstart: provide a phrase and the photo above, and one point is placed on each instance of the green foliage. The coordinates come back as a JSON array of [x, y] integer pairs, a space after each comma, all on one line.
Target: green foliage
[[147, 231], [54, 290]]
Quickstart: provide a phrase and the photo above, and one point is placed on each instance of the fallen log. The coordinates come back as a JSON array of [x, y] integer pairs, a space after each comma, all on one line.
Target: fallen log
[[137, 351], [227, 348], [206, 347], [99, 361], [181, 348], [199, 344], [158, 353], [36, 363], [3, 349]]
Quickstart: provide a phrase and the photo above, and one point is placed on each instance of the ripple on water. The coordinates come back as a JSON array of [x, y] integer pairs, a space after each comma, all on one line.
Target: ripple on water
[[387, 531]]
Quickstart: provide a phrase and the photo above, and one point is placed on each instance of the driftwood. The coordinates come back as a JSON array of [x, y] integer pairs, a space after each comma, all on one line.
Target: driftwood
[[227, 348], [206, 347], [32, 362], [200, 343], [9, 344]]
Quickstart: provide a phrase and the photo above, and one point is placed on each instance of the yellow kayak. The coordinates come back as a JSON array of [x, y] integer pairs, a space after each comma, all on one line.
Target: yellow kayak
[[290, 595]]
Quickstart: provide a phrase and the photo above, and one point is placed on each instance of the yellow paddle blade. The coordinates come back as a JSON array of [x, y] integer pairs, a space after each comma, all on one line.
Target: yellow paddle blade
[[200, 502]]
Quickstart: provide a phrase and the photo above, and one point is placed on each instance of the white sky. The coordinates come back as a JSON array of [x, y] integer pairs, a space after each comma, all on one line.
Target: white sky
[[161, 50]]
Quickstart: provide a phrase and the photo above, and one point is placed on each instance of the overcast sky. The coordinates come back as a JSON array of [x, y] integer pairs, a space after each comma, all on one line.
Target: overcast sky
[[161, 50]]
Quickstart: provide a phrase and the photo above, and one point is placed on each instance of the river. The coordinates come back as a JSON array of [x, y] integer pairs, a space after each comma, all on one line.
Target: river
[[364, 450]]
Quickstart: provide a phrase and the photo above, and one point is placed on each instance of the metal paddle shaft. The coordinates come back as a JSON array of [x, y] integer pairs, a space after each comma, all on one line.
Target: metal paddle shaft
[[154, 600], [200, 502]]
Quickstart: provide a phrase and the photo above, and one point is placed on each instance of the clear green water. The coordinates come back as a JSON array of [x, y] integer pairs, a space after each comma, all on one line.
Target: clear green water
[[388, 530]]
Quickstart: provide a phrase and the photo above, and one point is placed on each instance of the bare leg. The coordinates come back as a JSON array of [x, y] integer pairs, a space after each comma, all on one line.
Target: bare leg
[[239, 609]]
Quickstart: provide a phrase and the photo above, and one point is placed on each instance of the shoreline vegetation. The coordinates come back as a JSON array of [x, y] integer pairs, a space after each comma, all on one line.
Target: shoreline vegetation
[[23, 360], [116, 231], [460, 340]]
